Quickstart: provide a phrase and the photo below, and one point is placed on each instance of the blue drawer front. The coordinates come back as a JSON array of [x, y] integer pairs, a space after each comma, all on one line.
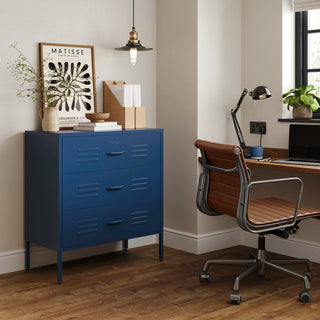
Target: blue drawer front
[[86, 227], [92, 189], [105, 152]]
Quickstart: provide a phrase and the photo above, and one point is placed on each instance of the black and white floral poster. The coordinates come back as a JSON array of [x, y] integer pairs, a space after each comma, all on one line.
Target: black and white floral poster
[[69, 81]]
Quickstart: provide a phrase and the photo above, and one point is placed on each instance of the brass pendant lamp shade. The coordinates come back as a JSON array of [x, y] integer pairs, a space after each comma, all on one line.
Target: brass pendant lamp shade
[[133, 45], [133, 42]]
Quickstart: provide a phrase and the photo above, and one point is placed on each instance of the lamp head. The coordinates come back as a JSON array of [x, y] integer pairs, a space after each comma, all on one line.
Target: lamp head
[[260, 93]]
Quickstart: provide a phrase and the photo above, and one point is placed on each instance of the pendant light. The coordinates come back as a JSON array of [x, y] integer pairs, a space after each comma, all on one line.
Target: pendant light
[[133, 45]]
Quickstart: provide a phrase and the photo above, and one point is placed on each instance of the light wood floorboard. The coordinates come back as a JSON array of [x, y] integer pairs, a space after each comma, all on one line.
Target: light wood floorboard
[[135, 285]]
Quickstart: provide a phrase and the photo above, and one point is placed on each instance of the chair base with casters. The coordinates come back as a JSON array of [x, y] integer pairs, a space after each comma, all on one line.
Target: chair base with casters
[[224, 188], [258, 263]]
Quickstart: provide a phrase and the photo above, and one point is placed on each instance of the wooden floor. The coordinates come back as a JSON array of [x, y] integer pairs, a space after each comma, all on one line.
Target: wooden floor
[[135, 285]]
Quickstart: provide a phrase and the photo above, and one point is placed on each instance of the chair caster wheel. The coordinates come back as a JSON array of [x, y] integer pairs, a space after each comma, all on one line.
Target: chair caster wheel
[[304, 296], [235, 298], [308, 274], [204, 276]]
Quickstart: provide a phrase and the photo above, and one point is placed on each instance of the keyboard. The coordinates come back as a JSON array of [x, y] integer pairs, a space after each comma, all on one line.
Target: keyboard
[[308, 162]]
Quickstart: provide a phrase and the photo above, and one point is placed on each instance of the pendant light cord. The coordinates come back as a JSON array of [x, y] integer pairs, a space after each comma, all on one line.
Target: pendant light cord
[[133, 27]]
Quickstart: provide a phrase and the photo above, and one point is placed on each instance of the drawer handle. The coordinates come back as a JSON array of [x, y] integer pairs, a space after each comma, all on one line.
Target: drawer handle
[[112, 223], [114, 188], [115, 153]]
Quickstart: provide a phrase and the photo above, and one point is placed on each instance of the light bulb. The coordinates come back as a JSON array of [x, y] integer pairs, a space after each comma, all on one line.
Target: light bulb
[[133, 56]]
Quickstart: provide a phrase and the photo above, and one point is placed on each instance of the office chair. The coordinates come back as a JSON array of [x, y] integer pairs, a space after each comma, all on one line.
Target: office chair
[[224, 188]]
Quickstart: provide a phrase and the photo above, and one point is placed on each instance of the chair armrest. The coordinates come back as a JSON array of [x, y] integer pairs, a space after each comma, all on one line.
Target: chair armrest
[[273, 225]]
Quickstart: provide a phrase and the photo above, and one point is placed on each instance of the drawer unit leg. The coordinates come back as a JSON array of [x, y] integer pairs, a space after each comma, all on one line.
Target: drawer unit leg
[[125, 245], [161, 246], [59, 266], [27, 256]]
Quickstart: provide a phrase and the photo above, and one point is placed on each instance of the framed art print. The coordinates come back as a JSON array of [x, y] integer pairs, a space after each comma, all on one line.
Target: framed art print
[[68, 80]]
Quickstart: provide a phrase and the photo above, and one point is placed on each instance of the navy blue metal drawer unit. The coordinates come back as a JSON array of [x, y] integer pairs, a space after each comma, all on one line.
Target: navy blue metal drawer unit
[[89, 188]]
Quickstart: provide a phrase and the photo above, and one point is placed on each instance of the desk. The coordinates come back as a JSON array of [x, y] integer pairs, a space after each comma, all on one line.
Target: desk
[[280, 154]]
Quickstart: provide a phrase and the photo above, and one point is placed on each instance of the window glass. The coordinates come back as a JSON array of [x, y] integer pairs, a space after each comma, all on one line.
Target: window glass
[[308, 51], [314, 51], [314, 78], [314, 19]]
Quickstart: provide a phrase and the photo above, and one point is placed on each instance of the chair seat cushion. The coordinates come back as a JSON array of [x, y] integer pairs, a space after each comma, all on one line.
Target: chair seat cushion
[[268, 210]]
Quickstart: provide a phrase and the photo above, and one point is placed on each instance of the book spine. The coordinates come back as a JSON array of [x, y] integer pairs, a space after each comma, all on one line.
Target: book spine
[[98, 124], [110, 128]]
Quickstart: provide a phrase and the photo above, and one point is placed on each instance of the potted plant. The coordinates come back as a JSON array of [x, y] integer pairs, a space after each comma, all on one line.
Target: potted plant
[[32, 85], [303, 101]]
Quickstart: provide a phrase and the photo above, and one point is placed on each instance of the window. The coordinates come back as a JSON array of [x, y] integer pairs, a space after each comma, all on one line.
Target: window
[[308, 50]]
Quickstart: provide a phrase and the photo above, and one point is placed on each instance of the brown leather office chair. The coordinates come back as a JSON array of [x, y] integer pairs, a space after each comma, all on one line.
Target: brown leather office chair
[[224, 188]]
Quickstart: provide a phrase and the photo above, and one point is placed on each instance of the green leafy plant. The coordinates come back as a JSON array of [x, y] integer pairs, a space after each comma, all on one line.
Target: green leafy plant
[[302, 95], [32, 85]]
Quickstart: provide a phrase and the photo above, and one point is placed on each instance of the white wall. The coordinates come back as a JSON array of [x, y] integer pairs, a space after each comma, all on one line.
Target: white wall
[[199, 79], [268, 58], [177, 109], [219, 81], [276, 52], [105, 24], [262, 65], [255, 49], [288, 52]]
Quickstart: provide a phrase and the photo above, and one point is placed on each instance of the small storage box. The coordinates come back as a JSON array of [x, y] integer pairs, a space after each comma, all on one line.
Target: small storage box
[[128, 117]]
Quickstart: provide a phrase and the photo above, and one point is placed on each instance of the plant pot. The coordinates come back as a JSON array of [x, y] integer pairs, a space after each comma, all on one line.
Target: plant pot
[[302, 112], [50, 120]]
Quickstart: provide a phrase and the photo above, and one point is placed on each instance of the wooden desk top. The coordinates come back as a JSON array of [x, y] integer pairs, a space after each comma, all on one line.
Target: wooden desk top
[[280, 154]]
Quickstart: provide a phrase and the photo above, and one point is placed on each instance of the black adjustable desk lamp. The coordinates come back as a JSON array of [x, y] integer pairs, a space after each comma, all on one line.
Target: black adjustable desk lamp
[[259, 93]]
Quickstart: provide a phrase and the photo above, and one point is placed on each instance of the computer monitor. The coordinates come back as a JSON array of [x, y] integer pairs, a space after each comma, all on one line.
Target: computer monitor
[[304, 142]]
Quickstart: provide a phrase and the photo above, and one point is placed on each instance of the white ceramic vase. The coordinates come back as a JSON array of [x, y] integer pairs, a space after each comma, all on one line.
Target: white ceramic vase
[[50, 120]]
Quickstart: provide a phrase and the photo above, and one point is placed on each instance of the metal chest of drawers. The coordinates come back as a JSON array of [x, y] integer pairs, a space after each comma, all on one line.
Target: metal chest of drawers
[[89, 188]]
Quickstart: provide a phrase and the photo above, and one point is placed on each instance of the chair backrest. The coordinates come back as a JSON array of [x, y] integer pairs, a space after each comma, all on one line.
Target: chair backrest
[[224, 174]]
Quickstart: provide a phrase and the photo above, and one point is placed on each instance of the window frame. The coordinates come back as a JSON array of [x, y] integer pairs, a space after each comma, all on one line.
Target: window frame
[[301, 45]]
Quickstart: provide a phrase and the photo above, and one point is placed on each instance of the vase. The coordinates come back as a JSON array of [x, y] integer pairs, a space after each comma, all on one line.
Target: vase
[[302, 112], [50, 120]]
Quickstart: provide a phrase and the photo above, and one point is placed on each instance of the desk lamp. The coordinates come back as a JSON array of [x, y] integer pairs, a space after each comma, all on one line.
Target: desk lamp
[[258, 93]]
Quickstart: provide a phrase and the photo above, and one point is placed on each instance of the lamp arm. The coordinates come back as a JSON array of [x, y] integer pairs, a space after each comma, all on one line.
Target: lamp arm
[[238, 132], [235, 121], [244, 92]]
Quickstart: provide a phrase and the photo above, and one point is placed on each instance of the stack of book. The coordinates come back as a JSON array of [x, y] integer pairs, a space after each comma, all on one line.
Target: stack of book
[[98, 126]]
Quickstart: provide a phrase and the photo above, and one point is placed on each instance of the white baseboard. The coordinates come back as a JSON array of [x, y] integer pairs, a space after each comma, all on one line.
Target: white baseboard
[[198, 244], [203, 243], [11, 261], [180, 240], [143, 241], [293, 247], [219, 240]]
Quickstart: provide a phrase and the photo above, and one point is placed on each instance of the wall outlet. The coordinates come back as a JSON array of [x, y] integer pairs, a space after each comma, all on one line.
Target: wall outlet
[[258, 127]]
